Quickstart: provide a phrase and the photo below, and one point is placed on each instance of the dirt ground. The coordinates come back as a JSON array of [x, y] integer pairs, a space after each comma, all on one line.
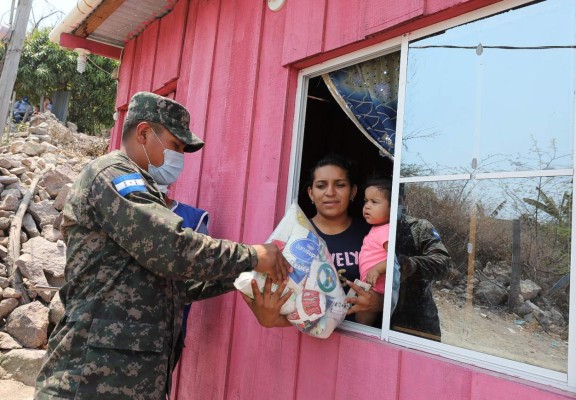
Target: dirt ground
[[500, 334], [13, 390]]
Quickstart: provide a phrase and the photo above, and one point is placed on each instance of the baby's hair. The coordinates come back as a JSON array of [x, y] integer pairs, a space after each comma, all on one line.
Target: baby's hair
[[384, 185], [338, 161]]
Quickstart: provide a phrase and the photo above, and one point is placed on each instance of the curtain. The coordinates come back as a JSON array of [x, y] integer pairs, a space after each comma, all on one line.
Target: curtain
[[368, 94]]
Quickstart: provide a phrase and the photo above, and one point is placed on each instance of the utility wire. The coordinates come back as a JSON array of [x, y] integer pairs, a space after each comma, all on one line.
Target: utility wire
[[447, 46], [97, 66]]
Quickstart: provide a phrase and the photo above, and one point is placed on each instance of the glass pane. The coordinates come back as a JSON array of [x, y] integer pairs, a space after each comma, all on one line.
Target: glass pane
[[506, 291], [505, 106]]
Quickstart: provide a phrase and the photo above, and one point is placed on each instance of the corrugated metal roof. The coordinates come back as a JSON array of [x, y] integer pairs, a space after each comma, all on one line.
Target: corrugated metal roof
[[128, 20]]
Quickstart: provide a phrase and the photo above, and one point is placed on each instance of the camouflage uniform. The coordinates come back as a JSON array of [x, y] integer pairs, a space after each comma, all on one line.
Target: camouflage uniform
[[126, 263], [418, 243]]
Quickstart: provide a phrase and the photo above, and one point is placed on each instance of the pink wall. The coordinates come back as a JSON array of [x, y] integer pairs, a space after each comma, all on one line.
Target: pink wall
[[234, 64]]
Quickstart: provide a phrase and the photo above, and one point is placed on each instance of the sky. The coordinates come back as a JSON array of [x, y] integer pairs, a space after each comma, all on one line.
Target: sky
[[40, 8], [510, 110], [499, 110]]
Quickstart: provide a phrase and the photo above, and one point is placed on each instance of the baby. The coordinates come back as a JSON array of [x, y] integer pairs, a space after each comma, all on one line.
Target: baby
[[374, 251]]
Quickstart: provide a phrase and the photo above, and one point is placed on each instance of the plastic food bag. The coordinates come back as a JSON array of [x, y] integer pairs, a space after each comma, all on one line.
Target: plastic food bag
[[317, 305]]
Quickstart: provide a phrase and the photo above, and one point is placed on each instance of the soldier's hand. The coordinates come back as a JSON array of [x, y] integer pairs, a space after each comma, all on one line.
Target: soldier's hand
[[266, 306], [272, 262]]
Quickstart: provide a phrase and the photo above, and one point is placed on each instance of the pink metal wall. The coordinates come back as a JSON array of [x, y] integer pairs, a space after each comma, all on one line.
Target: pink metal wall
[[234, 64]]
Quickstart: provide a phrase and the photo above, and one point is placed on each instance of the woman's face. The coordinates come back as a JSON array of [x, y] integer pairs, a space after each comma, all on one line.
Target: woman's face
[[331, 191]]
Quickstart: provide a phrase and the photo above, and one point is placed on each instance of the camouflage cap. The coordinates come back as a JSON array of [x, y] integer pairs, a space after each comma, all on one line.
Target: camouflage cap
[[146, 106]]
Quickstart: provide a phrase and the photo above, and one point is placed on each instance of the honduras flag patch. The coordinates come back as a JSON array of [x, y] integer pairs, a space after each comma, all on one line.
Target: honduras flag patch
[[129, 183]]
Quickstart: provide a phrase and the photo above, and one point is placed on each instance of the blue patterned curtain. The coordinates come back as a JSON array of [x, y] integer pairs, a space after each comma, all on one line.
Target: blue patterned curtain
[[368, 94]]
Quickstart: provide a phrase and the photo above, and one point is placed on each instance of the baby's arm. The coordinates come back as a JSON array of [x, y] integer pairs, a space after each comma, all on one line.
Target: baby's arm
[[377, 270]]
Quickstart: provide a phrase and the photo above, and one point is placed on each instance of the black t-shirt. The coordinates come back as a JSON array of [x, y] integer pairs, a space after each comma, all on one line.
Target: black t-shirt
[[345, 247]]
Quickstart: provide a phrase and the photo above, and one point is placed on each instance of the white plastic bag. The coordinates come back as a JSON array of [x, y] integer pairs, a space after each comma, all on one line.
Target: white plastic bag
[[317, 305]]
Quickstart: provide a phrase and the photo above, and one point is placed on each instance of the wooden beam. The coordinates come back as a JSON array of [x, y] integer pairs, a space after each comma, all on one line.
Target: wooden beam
[[73, 42], [167, 88], [97, 17], [14, 245], [12, 59]]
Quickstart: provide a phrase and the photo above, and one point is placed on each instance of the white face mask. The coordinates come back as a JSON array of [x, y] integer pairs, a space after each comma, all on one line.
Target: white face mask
[[168, 172], [163, 188]]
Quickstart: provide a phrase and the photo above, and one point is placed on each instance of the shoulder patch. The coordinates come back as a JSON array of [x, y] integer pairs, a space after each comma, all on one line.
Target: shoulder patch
[[436, 234], [129, 183]]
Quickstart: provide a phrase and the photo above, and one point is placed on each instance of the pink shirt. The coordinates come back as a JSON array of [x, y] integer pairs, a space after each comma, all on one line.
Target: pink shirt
[[372, 252]]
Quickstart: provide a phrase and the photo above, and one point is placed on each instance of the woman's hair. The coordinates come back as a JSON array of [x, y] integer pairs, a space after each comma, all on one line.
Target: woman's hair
[[384, 185], [338, 161]]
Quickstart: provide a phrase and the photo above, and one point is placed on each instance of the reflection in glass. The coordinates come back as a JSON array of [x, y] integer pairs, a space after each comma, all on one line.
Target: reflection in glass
[[506, 291], [493, 95]]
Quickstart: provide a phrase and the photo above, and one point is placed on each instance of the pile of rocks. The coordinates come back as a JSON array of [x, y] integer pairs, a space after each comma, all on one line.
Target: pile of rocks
[[491, 284], [29, 303]]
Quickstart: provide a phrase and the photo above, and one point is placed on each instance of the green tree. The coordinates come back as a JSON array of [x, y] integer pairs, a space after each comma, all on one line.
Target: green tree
[[45, 68], [561, 213]]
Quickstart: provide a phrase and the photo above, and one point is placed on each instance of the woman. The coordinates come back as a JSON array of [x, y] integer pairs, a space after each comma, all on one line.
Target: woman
[[332, 189], [47, 104]]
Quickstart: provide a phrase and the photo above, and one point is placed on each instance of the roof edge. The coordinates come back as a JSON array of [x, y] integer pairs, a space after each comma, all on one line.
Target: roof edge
[[74, 18]]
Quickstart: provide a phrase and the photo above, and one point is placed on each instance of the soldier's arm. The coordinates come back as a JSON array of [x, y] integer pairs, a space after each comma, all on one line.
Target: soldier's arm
[[434, 261], [137, 220], [204, 290]]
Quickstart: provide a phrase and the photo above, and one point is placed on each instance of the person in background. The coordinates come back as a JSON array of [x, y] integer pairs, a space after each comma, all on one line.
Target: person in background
[[47, 104], [22, 110], [423, 259], [374, 251], [196, 219], [126, 256], [332, 188]]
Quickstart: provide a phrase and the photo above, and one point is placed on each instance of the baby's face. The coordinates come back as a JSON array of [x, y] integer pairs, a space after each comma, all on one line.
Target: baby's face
[[376, 209]]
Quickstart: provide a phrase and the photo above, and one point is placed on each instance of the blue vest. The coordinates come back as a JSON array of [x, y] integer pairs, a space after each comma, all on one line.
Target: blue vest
[[193, 217], [197, 219]]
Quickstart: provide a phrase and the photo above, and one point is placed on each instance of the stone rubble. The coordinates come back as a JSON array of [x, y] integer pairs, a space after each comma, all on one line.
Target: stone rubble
[[491, 290], [46, 145]]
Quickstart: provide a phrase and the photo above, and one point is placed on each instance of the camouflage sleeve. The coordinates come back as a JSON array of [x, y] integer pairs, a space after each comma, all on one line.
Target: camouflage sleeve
[[140, 223], [434, 261], [204, 290]]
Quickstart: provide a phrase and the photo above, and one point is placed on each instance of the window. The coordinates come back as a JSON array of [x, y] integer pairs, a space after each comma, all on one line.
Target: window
[[483, 149]]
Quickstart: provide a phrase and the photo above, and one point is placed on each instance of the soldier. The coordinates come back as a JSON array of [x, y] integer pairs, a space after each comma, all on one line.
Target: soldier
[[423, 259], [126, 261]]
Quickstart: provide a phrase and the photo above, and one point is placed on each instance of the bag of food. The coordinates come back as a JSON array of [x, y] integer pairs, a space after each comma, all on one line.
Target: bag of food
[[317, 305]]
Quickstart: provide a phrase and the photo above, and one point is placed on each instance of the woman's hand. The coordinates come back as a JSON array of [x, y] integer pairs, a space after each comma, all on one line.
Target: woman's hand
[[365, 300], [266, 306]]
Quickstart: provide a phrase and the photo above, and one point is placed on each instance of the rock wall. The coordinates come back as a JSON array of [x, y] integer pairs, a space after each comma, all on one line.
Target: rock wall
[[58, 153]]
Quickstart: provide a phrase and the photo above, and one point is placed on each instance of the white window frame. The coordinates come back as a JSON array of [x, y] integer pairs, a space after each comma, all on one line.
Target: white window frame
[[565, 381]]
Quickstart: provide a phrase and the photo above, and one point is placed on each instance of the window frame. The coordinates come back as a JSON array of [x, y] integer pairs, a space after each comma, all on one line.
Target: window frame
[[565, 381]]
